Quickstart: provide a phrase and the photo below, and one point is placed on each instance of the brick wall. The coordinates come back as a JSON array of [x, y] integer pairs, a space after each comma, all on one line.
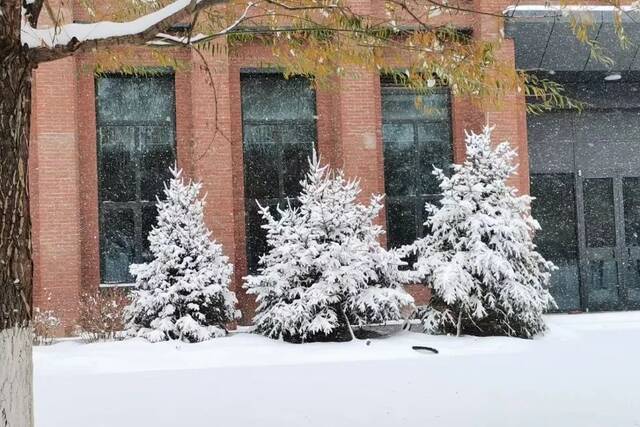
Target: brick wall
[[56, 172], [209, 148]]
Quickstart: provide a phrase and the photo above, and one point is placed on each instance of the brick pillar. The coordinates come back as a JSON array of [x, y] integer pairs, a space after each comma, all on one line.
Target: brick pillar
[[509, 116], [56, 181], [359, 145], [359, 150], [465, 117], [360, 130], [212, 155]]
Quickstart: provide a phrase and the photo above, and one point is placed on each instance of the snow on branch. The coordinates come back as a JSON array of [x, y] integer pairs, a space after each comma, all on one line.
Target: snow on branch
[[635, 6], [59, 41], [63, 35]]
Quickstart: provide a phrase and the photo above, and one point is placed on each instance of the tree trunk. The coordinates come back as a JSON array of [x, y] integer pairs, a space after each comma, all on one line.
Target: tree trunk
[[15, 225]]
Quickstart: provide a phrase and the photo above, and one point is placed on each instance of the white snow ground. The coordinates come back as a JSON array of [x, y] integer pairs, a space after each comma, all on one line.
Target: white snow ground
[[584, 372]]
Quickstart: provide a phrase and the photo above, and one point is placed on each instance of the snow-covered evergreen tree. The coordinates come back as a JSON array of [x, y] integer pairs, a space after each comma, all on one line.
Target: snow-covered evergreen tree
[[479, 259], [326, 270], [183, 293]]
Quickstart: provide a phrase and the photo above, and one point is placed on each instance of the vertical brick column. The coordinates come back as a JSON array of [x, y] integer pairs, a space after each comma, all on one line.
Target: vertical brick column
[[359, 145], [509, 116], [211, 151], [360, 130], [466, 116], [88, 148], [359, 150], [55, 179]]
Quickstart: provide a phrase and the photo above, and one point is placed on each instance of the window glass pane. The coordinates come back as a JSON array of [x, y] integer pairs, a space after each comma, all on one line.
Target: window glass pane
[[303, 132], [149, 220], [554, 208], [295, 162], [399, 158], [135, 99], [261, 162], [631, 194], [261, 133], [435, 132], [117, 172], [401, 135], [256, 235], [401, 222], [272, 97], [435, 150], [599, 212], [117, 245], [399, 103], [602, 283], [156, 157]]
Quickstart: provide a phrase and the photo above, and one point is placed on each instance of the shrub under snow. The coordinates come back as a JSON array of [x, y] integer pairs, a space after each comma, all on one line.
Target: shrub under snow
[[183, 293], [479, 259], [101, 314], [325, 269], [45, 325]]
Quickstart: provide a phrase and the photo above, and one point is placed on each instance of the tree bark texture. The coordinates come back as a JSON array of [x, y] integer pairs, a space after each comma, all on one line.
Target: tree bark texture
[[15, 226]]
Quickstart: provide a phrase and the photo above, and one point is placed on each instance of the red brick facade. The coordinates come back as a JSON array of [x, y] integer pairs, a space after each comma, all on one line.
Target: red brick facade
[[209, 149]]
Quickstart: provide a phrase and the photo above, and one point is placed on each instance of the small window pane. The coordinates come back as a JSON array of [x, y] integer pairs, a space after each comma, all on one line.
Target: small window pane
[[118, 245], [599, 212], [295, 163], [303, 132], [256, 235], [631, 192], [149, 220], [401, 222], [402, 135], [117, 171], [261, 173], [272, 97], [156, 157], [403, 104], [438, 133], [434, 153], [399, 169], [135, 99], [261, 133]]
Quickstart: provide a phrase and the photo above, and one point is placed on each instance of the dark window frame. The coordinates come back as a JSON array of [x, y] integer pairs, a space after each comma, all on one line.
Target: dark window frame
[[418, 199], [140, 204]]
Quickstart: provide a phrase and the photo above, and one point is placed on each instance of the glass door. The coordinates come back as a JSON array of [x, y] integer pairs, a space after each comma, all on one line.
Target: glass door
[[602, 265], [631, 250]]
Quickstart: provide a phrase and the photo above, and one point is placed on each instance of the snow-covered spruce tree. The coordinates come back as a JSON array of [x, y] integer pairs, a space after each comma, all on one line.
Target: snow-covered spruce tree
[[183, 293], [479, 259], [326, 270]]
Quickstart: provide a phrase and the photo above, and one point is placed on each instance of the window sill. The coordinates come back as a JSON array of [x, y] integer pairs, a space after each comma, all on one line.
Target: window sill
[[117, 285]]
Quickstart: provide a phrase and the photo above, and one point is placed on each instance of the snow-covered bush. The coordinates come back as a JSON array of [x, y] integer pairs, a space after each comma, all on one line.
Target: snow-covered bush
[[326, 270], [101, 313], [45, 325], [479, 259], [183, 293]]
